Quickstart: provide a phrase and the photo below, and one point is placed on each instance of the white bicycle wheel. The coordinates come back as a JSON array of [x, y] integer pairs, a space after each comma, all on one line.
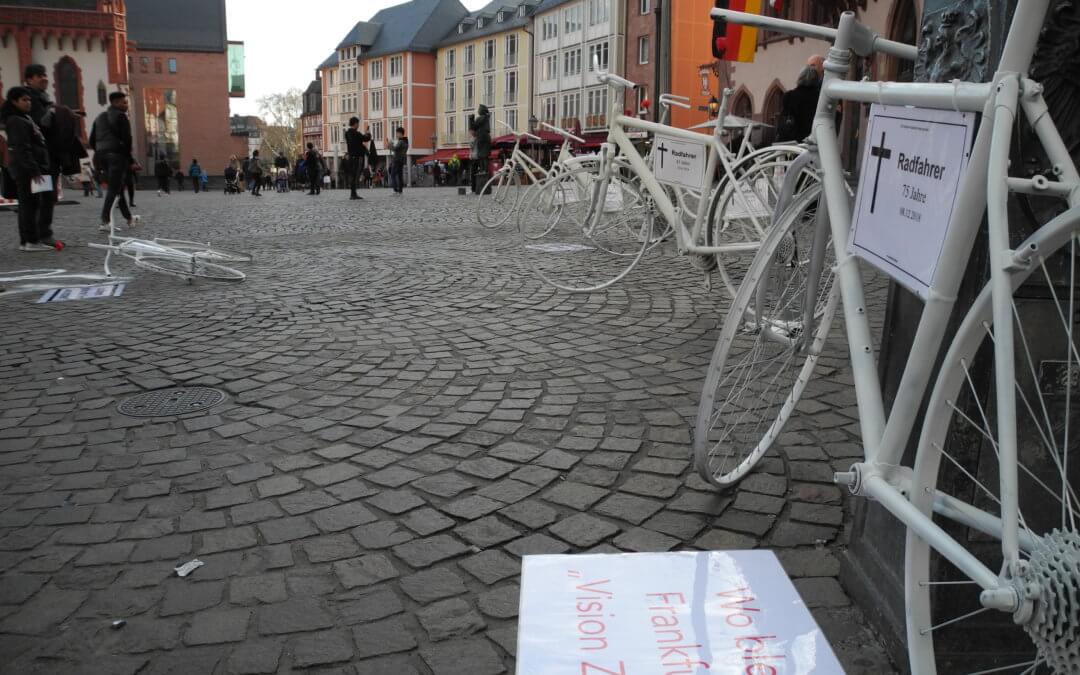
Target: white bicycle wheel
[[498, 199], [766, 352], [206, 251], [580, 240], [957, 461], [741, 207], [189, 267]]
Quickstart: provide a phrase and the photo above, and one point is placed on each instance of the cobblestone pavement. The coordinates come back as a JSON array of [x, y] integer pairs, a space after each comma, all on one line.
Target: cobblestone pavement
[[409, 412]]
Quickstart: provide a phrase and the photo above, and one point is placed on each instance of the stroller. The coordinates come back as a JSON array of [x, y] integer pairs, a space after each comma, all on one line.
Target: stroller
[[281, 181], [232, 182]]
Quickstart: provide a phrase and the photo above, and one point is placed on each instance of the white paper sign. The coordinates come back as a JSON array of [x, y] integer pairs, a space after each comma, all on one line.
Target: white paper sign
[[83, 293], [706, 613], [680, 162], [911, 171]]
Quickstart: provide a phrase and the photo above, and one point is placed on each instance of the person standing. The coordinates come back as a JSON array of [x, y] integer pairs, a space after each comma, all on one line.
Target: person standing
[[29, 166], [313, 164], [36, 79], [195, 171], [163, 172], [399, 157], [255, 171], [799, 105], [357, 153], [480, 125], [110, 137]]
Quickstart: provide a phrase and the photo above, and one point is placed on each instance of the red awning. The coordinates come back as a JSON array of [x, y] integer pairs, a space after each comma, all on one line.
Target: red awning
[[593, 141], [444, 155]]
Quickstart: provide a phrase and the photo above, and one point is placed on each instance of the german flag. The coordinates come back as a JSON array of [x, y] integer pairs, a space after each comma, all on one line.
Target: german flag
[[732, 42]]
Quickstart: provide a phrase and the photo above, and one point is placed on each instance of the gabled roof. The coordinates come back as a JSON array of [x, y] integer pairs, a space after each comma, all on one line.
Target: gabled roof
[[188, 25], [550, 4], [414, 26], [363, 34], [489, 13], [330, 61]]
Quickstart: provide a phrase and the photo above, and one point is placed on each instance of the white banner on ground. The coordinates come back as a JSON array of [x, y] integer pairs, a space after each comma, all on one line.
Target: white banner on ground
[[912, 166], [83, 293], [705, 613]]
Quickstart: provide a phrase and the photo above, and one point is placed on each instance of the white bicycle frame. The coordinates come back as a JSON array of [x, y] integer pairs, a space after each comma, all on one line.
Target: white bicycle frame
[[688, 239], [986, 184]]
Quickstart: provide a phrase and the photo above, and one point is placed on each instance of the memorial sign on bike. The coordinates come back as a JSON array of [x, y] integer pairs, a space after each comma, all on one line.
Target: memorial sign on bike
[[681, 162], [912, 166], [732, 612]]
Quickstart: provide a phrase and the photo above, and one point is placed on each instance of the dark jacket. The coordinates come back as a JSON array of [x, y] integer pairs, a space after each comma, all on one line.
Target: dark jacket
[[27, 152], [354, 143], [798, 106], [313, 164], [111, 134], [401, 151], [481, 124], [280, 162], [162, 169], [40, 104], [62, 138]]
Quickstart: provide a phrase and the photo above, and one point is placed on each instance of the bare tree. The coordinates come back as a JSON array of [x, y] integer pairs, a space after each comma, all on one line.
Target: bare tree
[[281, 112]]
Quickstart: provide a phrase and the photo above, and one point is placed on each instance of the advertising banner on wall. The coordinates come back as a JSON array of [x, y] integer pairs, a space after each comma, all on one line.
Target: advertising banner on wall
[[236, 69], [701, 613]]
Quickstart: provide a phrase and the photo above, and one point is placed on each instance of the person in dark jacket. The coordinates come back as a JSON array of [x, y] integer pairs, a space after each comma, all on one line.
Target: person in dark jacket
[[110, 137], [356, 153], [313, 166], [36, 79], [29, 166], [179, 176], [255, 174], [398, 159], [480, 125], [799, 105], [163, 172]]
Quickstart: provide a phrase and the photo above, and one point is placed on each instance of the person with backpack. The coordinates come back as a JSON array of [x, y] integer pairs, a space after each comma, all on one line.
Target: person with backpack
[[398, 158], [196, 172], [110, 137]]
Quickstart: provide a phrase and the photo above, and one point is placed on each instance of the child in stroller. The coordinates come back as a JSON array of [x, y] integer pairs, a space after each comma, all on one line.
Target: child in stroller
[[232, 181], [281, 180]]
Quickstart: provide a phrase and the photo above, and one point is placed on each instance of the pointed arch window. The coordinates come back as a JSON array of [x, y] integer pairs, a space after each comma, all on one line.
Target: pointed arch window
[[102, 94], [68, 84]]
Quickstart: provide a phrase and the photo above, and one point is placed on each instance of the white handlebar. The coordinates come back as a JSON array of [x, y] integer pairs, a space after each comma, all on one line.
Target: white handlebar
[[516, 134], [668, 100], [610, 78], [562, 132]]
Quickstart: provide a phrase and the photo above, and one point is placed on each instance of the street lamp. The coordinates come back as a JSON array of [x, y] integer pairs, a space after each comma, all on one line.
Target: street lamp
[[714, 107], [533, 123]]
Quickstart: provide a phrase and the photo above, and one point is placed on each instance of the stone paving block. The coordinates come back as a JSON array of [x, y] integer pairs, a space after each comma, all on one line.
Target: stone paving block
[[682, 526], [351, 489], [815, 494], [16, 589], [85, 534], [434, 584], [583, 530], [486, 467], [305, 502], [248, 473], [393, 477], [507, 491], [217, 626], [255, 658], [555, 459], [789, 534], [635, 510], [322, 648], [472, 656], [278, 485], [230, 496], [487, 532], [379, 638], [821, 592], [421, 553], [366, 604], [162, 548], [530, 513], [148, 489], [820, 514], [382, 534], [326, 549], [500, 603], [471, 508], [105, 554], [640, 539], [651, 486], [427, 521], [258, 589], [365, 570], [232, 539], [724, 540], [193, 522], [451, 618], [342, 517], [396, 501], [183, 596], [445, 485], [491, 566], [516, 452], [332, 473], [809, 562], [575, 495], [41, 614], [377, 459], [536, 544], [254, 512], [292, 616], [286, 529]]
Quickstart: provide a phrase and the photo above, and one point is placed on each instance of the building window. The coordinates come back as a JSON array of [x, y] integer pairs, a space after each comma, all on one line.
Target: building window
[[645, 6], [376, 101], [598, 52], [396, 98], [158, 66], [489, 90], [161, 123], [596, 109], [549, 27], [551, 67], [102, 94], [451, 57], [511, 51], [470, 94], [376, 70], [643, 49], [511, 118], [395, 66], [642, 96], [550, 109], [511, 91], [489, 55], [172, 66], [598, 11], [377, 131], [572, 62], [144, 64], [480, 22], [451, 96], [572, 19], [571, 109], [470, 59], [451, 127], [67, 83]]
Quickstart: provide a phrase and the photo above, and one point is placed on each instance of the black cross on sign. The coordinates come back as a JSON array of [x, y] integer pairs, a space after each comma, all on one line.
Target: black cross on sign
[[882, 153], [662, 149]]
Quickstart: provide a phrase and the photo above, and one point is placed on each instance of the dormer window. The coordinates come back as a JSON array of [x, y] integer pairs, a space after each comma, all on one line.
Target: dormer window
[[460, 28], [499, 17], [480, 23], [521, 11]]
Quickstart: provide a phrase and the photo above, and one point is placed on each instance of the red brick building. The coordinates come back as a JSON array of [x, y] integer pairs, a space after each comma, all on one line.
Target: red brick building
[[180, 84], [641, 48]]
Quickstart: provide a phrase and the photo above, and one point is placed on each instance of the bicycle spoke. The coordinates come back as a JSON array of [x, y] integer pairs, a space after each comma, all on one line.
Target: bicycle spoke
[[1028, 666], [941, 625]]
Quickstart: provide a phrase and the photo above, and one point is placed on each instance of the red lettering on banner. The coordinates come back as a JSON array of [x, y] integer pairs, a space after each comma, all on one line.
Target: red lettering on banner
[[587, 668], [591, 627], [760, 669]]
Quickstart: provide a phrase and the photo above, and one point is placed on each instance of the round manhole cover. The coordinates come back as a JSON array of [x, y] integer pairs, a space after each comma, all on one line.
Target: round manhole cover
[[170, 402]]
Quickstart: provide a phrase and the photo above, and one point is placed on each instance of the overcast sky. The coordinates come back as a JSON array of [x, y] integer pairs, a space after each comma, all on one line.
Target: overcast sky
[[283, 46]]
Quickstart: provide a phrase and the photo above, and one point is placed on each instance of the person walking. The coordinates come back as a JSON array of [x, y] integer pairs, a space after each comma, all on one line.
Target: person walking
[[195, 171], [399, 157], [313, 164], [29, 166], [129, 183], [255, 171], [110, 137], [163, 172], [356, 154]]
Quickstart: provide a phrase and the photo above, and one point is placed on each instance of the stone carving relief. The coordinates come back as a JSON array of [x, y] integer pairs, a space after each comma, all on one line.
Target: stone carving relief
[[955, 44]]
